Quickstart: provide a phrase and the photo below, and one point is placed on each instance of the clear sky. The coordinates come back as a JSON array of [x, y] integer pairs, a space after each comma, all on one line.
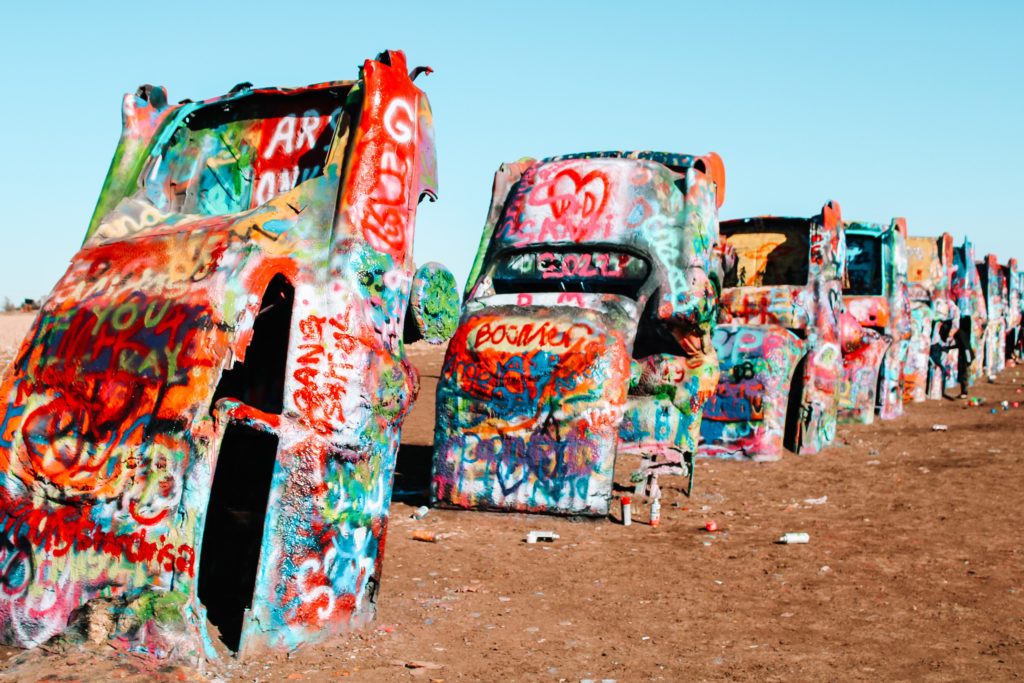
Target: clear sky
[[890, 108]]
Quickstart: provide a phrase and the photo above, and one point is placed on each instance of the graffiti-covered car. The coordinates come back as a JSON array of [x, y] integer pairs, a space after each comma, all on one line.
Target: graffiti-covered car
[[929, 276], [586, 330], [876, 297], [1013, 311], [203, 420], [996, 291], [970, 298], [777, 339]]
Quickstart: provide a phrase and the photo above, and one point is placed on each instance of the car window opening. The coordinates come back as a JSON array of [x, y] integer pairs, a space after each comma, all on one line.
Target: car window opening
[[259, 381], [561, 270], [768, 252], [863, 265]]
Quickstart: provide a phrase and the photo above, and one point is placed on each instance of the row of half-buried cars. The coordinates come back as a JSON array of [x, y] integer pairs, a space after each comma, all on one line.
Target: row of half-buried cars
[[203, 420], [606, 298]]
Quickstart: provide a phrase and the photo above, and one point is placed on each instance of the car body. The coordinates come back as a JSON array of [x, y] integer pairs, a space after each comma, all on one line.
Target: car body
[[876, 297], [970, 298], [996, 290], [929, 274], [1013, 308], [586, 330], [777, 339], [207, 409]]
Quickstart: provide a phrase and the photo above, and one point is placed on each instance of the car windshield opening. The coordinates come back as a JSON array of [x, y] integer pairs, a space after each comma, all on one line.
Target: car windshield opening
[[233, 156], [557, 270], [768, 252], [863, 265]]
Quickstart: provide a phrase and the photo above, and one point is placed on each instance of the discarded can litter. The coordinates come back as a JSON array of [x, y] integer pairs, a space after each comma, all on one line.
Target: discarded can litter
[[424, 535], [420, 512], [711, 525], [656, 512], [792, 538], [535, 536], [939, 428], [627, 512]]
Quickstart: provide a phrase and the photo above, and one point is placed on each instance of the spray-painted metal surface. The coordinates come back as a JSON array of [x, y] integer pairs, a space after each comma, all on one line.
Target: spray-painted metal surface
[[929, 276], [777, 338], [205, 415], [996, 291], [876, 297], [970, 298], [1013, 308], [586, 330]]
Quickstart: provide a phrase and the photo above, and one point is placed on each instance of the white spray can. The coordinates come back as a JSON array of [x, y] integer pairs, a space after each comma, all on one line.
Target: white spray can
[[791, 538]]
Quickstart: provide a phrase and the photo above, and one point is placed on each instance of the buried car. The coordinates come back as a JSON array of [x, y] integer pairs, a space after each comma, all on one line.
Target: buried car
[[1013, 312], [970, 298], [875, 296], [929, 276], [203, 420], [994, 285], [777, 339], [586, 331]]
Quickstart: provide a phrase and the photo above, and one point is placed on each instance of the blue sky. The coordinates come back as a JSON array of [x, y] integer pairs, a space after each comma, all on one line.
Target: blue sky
[[911, 108]]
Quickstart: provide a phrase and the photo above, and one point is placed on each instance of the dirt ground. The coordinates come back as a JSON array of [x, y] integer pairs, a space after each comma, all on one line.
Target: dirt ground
[[914, 571]]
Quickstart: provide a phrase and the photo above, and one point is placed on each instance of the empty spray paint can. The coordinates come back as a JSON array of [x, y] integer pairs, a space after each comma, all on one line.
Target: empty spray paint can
[[424, 535], [792, 537], [656, 512], [627, 516]]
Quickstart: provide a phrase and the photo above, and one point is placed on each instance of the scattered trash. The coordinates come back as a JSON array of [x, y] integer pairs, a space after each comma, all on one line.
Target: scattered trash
[[991, 379], [711, 525], [535, 536], [1016, 404], [656, 512], [939, 428], [824, 569], [627, 512], [420, 512], [424, 535], [791, 538], [816, 501], [993, 411]]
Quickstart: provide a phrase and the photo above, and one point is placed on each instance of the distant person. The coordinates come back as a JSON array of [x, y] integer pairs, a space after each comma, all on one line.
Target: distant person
[[962, 338]]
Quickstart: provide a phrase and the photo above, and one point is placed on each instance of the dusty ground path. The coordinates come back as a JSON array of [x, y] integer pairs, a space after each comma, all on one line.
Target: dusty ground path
[[914, 571]]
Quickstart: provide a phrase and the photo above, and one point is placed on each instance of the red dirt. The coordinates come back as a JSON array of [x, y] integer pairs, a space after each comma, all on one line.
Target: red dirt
[[914, 571]]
